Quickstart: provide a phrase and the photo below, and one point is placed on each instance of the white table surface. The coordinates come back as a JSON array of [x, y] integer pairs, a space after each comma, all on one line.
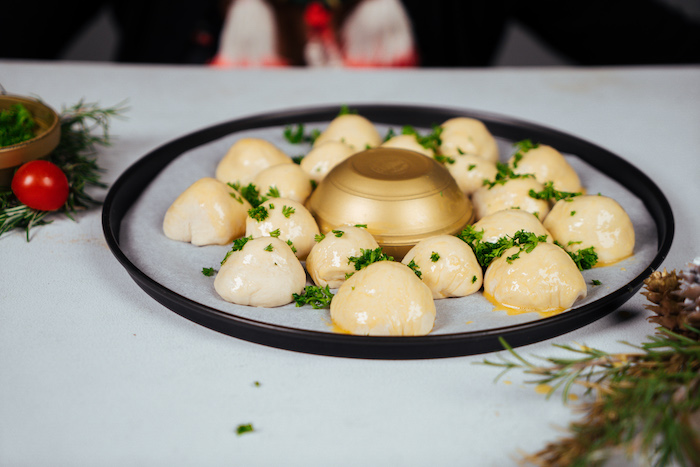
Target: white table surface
[[93, 372]]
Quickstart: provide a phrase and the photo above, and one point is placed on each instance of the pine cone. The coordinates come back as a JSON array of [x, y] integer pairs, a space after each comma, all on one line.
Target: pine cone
[[676, 299]]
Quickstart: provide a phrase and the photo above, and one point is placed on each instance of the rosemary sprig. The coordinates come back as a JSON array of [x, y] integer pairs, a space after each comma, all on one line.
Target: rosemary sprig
[[646, 402], [84, 126]]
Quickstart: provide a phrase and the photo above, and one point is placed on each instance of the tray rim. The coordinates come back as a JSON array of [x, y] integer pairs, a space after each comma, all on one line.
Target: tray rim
[[133, 181]]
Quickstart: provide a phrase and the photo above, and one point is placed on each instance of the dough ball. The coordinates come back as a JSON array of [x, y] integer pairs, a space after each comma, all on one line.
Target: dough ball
[[468, 136], [407, 142], [548, 165], [323, 157], [384, 299], [514, 193], [470, 171], [448, 266], [595, 221], [328, 263], [509, 221], [289, 179], [294, 221], [246, 158], [354, 130], [263, 273], [208, 212], [544, 280]]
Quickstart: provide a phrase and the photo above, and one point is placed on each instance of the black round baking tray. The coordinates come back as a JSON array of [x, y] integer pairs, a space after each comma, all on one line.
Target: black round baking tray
[[127, 189]]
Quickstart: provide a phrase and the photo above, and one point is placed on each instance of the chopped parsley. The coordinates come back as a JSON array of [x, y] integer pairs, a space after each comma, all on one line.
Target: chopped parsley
[[291, 245], [595, 282], [474, 279], [434, 257], [584, 259], [298, 135], [319, 237], [238, 245], [412, 264], [269, 247], [317, 297], [208, 271], [430, 141], [521, 148], [504, 174], [275, 233], [338, 233], [235, 196], [486, 252], [298, 159], [444, 159], [287, 211], [389, 134], [471, 167], [259, 214], [550, 193], [249, 192], [246, 428], [345, 110], [573, 213], [16, 125], [368, 257], [273, 192]]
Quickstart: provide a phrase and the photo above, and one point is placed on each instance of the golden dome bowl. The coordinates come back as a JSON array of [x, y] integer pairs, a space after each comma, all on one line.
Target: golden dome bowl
[[45, 140], [401, 196]]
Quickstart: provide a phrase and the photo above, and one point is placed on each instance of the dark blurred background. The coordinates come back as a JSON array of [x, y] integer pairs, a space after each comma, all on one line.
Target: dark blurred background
[[449, 33]]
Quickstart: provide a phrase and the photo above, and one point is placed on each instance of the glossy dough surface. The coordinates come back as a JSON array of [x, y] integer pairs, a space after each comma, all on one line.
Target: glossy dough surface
[[595, 221], [548, 165], [257, 277], [507, 222], [246, 158], [448, 266], [546, 279], [354, 130], [514, 193], [463, 135], [328, 263], [323, 157], [206, 213], [298, 226], [384, 299], [289, 179], [470, 171]]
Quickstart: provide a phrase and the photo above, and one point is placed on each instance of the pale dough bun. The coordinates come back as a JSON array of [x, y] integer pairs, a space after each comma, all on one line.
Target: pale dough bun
[[595, 221], [507, 222], [323, 157], [470, 171], [548, 165], [327, 263], [384, 299], [354, 130], [514, 193], [246, 158], [448, 266], [462, 135], [265, 273], [407, 142], [208, 212], [289, 179], [544, 280], [298, 226]]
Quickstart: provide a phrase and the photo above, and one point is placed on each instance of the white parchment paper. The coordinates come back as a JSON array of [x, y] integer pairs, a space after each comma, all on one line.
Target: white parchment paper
[[177, 266]]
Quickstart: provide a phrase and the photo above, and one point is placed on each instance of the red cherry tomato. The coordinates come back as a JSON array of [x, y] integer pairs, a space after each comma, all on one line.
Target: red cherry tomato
[[41, 185]]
